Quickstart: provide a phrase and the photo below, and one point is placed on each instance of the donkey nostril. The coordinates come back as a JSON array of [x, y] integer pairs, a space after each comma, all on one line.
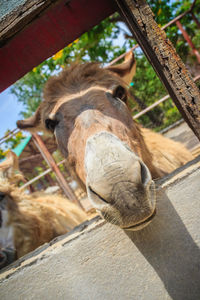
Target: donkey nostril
[[97, 195], [51, 124], [145, 174], [2, 195]]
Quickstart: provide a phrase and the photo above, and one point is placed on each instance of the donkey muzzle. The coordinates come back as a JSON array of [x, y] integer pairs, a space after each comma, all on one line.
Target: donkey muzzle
[[119, 184]]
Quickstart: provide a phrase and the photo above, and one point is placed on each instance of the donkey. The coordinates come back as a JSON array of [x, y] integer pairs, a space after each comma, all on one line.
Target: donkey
[[28, 221], [85, 107]]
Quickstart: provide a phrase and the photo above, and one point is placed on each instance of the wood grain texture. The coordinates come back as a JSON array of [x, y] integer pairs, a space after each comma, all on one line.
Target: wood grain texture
[[164, 59], [21, 16]]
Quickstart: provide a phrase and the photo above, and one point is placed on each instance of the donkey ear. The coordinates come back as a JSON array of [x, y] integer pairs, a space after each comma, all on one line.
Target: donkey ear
[[9, 161], [32, 124], [125, 70], [9, 168]]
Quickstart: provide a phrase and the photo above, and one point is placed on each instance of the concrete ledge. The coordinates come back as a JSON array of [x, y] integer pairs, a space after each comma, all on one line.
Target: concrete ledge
[[102, 261]]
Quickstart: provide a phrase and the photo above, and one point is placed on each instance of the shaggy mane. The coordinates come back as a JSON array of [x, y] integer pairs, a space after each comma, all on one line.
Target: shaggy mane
[[78, 77]]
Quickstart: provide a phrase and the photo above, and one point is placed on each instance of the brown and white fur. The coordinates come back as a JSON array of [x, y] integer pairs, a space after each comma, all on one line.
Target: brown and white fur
[[28, 221], [85, 107]]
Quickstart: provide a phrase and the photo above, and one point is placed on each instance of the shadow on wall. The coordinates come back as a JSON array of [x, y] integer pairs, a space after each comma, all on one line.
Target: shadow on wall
[[171, 251]]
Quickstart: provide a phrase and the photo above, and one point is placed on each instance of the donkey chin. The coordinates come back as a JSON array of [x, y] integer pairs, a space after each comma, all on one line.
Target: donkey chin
[[119, 184]]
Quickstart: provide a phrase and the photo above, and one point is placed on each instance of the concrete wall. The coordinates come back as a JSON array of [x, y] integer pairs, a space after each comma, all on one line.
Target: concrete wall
[[102, 261]]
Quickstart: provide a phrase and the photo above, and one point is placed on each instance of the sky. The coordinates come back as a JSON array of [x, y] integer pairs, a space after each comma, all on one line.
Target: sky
[[9, 111]]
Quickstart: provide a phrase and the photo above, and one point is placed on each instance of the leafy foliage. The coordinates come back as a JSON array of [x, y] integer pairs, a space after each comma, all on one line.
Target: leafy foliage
[[11, 143]]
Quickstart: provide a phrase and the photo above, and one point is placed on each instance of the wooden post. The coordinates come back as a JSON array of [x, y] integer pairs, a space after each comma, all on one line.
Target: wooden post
[[52, 164], [164, 59]]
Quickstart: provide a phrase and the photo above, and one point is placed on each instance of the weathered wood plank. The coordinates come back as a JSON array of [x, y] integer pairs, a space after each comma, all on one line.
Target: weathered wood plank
[[164, 59], [20, 16]]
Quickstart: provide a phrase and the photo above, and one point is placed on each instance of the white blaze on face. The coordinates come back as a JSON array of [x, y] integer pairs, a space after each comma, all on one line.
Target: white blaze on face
[[6, 231]]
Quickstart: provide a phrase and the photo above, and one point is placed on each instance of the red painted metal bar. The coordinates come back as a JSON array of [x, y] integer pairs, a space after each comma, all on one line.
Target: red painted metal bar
[[48, 33], [189, 41], [141, 113], [56, 28]]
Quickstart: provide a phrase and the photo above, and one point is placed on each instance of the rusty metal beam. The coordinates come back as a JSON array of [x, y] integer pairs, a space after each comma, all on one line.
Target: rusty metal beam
[[52, 164], [164, 59], [188, 40]]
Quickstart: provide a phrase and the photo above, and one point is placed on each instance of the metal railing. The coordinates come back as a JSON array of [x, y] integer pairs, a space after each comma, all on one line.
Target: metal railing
[[185, 35]]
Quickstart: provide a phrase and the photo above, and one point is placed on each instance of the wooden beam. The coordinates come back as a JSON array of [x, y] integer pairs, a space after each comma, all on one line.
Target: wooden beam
[[164, 59], [52, 164]]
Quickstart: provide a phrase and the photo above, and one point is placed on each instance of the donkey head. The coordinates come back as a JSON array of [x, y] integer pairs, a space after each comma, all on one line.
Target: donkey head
[[85, 107]]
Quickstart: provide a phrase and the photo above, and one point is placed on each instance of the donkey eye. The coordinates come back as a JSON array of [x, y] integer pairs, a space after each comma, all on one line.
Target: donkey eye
[[2, 195], [51, 124], [120, 93]]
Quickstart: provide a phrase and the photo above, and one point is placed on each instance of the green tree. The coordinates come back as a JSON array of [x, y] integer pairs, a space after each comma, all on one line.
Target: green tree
[[11, 143]]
